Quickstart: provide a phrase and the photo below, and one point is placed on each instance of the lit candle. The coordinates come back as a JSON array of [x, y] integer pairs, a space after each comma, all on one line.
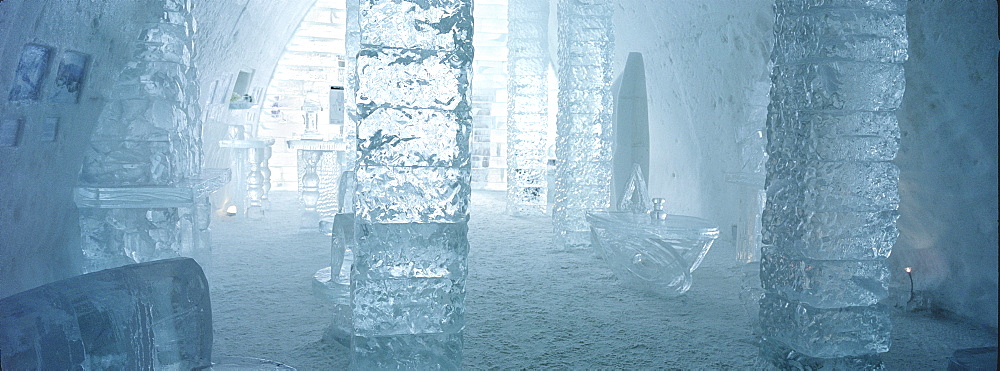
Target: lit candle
[[231, 211]]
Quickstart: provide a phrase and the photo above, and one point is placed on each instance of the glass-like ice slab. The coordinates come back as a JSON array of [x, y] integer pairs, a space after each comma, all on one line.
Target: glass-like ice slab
[[654, 256], [154, 315]]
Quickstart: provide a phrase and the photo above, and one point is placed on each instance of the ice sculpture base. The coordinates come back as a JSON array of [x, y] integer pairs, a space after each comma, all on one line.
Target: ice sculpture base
[[573, 239], [654, 256]]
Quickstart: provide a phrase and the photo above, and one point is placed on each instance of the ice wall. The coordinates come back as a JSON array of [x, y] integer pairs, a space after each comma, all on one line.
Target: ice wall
[[39, 234], [948, 157], [830, 217], [413, 184], [583, 126], [527, 106]]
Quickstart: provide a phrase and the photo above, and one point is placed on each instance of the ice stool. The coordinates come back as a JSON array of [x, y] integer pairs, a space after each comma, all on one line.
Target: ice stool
[[153, 315]]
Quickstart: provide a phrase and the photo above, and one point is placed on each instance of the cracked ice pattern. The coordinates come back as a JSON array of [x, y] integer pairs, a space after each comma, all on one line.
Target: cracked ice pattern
[[413, 183], [583, 126], [830, 218], [149, 134], [527, 117]]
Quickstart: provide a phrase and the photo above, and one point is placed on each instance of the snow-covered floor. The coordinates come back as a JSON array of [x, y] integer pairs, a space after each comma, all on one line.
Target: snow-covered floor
[[529, 304]]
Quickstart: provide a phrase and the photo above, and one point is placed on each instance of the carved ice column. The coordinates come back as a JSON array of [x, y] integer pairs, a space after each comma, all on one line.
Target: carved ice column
[[141, 175], [413, 184], [830, 218], [527, 102], [583, 126]]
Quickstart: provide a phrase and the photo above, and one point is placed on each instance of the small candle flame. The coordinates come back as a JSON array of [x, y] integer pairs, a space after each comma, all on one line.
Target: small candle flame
[[908, 269], [231, 210]]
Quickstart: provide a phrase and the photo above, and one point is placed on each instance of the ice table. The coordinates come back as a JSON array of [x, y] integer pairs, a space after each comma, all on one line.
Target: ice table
[[655, 256], [253, 174], [319, 163], [133, 224]]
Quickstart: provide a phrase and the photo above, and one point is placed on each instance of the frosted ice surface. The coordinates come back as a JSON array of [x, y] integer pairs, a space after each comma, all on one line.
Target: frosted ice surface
[[153, 315], [825, 332], [413, 78]]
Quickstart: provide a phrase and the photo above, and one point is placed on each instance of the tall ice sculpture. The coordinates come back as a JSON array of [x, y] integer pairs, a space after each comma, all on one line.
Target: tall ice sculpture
[[413, 184], [583, 126], [830, 218], [527, 104], [142, 193]]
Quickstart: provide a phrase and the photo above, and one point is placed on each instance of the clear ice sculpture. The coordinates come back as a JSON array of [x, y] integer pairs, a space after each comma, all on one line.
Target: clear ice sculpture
[[829, 221], [413, 184], [631, 128], [142, 194], [154, 315], [583, 125], [333, 283], [635, 195], [527, 106], [653, 252]]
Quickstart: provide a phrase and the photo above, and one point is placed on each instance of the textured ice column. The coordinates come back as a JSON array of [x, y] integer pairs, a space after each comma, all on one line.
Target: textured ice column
[[830, 218], [144, 316], [583, 126], [413, 184], [527, 105], [148, 135]]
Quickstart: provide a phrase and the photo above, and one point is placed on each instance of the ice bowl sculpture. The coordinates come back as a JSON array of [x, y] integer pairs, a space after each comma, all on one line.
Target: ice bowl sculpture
[[656, 255]]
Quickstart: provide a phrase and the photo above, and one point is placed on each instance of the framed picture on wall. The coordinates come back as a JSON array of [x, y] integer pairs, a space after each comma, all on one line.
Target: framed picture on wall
[[69, 78], [10, 130], [50, 127], [30, 71]]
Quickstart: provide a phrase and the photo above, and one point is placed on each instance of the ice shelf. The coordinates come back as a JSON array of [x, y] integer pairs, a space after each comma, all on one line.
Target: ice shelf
[[145, 316], [830, 218], [413, 183], [583, 126]]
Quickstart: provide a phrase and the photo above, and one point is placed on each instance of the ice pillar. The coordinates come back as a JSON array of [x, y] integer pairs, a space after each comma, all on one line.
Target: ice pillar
[[141, 183], [583, 126], [413, 184], [527, 105], [830, 218]]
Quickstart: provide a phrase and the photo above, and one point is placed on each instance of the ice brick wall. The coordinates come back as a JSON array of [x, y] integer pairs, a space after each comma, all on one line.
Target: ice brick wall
[[489, 95], [830, 217], [527, 106], [413, 183], [583, 126], [313, 61]]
